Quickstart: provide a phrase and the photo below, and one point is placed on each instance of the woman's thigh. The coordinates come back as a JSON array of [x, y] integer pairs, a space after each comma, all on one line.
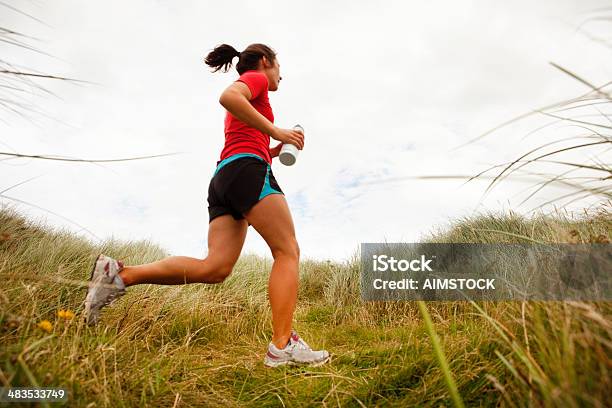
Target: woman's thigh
[[225, 239], [272, 219]]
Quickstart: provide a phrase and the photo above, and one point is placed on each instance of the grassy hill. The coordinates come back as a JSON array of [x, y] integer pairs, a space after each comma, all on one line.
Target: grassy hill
[[203, 345]]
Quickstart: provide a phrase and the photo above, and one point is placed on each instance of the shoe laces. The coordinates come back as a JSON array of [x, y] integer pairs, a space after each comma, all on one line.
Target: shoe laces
[[296, 341]]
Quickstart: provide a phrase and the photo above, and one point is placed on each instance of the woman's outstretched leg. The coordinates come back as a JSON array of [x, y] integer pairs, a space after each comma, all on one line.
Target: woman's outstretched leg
[[225, 240], [110, 277]]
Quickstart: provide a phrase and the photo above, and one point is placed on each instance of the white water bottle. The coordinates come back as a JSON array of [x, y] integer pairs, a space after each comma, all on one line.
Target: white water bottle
[[289, 152]]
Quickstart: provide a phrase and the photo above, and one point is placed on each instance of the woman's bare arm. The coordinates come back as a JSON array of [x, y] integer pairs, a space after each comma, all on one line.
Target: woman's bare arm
[[236, 99]]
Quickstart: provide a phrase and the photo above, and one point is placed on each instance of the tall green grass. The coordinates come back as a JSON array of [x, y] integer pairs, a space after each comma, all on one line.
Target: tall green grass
[[203, 345]]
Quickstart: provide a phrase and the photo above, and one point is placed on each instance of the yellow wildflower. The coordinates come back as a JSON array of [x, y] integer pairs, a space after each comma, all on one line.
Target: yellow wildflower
[[65, 314], [46, 326]]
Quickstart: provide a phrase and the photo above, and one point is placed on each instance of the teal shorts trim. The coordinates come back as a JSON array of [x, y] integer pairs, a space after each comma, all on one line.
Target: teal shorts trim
[[267, 187], [233, 157]]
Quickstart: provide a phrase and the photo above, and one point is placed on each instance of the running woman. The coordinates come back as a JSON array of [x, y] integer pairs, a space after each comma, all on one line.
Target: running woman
[[242, 192]]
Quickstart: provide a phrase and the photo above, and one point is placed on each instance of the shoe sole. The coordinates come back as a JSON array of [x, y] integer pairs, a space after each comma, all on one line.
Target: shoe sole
[[297, 363], [91, 275], [93, 269]]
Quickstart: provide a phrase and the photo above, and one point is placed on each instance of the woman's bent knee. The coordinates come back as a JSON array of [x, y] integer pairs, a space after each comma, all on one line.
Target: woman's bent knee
[[215, 272], [221, 273]]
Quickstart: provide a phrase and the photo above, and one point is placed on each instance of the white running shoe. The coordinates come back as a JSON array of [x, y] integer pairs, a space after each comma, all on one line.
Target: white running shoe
[[105, 286], [297, 351]]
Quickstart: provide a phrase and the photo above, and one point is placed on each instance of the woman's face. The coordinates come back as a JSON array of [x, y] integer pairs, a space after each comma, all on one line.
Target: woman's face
[[272, 71]]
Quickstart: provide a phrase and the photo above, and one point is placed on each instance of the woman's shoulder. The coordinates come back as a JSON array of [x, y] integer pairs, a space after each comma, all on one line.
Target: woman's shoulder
[[257, 82]]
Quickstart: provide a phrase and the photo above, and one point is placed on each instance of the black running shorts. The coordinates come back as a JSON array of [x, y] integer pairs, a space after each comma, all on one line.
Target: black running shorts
[[239, 182]]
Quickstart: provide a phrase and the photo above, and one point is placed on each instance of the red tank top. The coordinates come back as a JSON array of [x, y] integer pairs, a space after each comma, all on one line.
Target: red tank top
[[242, 138]]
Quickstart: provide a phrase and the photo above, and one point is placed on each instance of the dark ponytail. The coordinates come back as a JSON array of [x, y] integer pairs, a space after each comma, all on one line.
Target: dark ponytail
[[222, 56]]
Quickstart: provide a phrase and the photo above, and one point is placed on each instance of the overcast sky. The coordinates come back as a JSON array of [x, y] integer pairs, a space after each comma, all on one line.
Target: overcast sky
[[383, 89]]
